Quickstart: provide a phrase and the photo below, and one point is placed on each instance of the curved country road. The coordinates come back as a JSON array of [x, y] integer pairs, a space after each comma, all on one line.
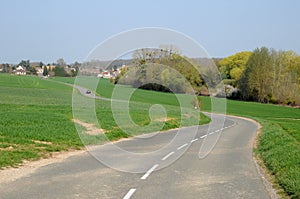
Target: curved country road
[[227, 172]]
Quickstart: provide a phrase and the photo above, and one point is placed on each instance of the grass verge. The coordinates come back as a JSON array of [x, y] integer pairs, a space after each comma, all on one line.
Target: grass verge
[[278, 143]]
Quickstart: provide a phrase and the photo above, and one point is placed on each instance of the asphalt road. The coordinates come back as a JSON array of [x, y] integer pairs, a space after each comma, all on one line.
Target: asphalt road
[[161, 165], [227, 172]]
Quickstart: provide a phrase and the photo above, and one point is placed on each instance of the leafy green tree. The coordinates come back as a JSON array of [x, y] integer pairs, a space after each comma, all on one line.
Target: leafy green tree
[[286, 77], [76, 65], [32, 70], [74, 72], [160, 66], [45, 71], [256, 80], [233, 66], [236, 73], [59, 71], [41, 64], [25, 64], [271, 76], [6, 68]]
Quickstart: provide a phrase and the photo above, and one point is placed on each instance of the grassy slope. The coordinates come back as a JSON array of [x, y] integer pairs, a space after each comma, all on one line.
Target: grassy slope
[[140, 103], [279, 142], [36, 118], [33, 110]]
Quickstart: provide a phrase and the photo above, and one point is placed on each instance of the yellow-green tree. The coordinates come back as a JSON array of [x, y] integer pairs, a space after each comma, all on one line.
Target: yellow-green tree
[[233, 66], [271, 76], [257, 78]]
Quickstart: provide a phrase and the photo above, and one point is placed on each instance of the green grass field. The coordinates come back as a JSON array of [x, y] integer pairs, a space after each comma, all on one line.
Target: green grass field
[[36, 119]]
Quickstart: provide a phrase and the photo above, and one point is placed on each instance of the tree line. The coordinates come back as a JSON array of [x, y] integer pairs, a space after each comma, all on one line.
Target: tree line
[[264, 75], [161, 70]]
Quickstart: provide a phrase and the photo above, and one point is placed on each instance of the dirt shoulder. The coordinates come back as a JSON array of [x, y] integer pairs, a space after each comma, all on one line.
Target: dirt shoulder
[[29, 167]]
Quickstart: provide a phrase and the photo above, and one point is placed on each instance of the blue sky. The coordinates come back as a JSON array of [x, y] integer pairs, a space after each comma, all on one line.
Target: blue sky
[[50, 29]]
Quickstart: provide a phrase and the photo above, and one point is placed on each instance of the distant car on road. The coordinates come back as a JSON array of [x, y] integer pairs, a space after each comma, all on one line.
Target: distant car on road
[[88, 92]]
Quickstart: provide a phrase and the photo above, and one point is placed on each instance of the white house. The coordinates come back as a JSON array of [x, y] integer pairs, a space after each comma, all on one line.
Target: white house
[[105, 74], [20, 71]]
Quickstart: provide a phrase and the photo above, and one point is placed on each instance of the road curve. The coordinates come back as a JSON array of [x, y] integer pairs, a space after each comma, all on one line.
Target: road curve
[[227, 172]]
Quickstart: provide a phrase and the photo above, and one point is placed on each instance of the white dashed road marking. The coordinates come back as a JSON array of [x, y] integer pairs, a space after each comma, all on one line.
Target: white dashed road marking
[[182, 146], [194, 140], [144, 177], [129, 194], [167, 156], [203, 136]]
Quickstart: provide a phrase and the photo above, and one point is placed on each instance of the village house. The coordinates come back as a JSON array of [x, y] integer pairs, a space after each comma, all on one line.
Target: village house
[[49, 67], [69, 69], [105, 74], [111, 74], [36, 66], [39, 71], [19, 71]]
